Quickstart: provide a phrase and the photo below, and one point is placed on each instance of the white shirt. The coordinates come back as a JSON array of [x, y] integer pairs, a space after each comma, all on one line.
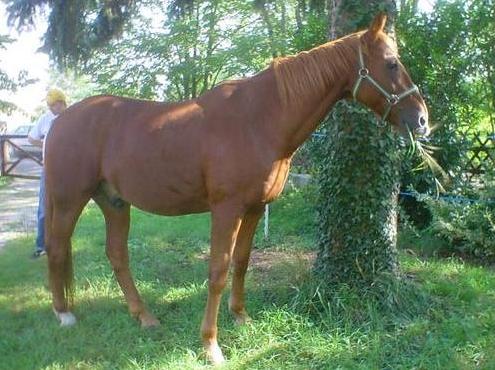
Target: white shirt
[[42, 127]]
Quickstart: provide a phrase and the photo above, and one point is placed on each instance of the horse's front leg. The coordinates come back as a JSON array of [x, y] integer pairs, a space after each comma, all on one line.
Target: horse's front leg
[[226, 220], [240, 262]]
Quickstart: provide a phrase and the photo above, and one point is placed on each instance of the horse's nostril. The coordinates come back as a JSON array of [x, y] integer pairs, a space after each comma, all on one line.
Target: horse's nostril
[[422, 121], [420, 131]]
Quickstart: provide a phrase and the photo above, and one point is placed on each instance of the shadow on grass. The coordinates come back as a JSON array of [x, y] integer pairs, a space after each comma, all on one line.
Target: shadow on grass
[[292, 328], [171, 277]]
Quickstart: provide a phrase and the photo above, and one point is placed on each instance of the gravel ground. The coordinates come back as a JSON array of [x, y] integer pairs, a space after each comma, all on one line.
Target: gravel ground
[[18, 207]]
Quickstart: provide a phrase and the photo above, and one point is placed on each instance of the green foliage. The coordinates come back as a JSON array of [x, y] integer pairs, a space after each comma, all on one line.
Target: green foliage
[[171, 50], [179, 54], [10, 83], [285, 231], [466, 226], [311, 33], [469, 229], [353, 15], [75, 28], [357, 208], [4, 181], [358, 181], [394, 299], [449, 54]]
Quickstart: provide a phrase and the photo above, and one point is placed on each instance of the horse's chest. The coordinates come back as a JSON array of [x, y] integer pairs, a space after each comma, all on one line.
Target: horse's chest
[[275, 182]]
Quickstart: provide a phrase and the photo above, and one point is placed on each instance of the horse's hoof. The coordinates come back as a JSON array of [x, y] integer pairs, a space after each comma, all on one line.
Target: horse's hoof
[[65, 318], [148, 320], [214, 354], [241, 318]]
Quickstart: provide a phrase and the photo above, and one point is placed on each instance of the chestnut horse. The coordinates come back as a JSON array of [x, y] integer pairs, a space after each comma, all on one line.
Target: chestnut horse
[[227, 152]]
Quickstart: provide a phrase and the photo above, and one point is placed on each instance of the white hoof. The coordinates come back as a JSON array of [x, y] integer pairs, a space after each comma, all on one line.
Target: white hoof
[[65, 318], [214, 354]]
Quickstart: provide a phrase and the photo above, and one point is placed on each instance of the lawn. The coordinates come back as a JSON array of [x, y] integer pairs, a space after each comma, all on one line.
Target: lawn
[[4, 181], [448, 324]]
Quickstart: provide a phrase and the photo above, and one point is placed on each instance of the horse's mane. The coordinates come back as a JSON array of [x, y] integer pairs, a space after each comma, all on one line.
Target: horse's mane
[[312, 72]]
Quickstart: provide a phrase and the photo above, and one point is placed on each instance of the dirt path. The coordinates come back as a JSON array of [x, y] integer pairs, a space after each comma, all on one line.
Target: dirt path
[[18, 207]]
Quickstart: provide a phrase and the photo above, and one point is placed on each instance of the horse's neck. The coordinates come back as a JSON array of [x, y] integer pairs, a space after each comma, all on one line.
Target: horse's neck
[[307, 86], [301, 122]]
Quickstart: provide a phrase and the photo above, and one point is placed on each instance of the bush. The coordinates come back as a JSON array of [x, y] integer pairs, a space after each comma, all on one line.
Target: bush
[[468, 225], [415, 210]]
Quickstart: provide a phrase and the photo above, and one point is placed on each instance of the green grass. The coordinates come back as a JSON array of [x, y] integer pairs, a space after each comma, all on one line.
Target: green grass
[[447, 322], [4, 180]]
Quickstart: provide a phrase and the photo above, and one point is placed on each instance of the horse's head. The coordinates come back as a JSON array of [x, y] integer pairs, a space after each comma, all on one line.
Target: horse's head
[[383, 84]]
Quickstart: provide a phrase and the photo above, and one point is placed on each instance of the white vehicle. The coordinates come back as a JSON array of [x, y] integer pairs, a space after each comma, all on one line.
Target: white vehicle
[[23, 143]]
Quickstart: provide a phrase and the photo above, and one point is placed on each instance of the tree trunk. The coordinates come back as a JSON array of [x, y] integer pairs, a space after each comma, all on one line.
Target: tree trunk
[[359, 179], [299, 12], [269, 27]]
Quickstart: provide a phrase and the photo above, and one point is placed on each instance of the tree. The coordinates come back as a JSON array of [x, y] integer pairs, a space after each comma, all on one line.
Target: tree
[[9, 83], [358, 180], [192, 48], [75, 28], [184, 54], [6, 82]]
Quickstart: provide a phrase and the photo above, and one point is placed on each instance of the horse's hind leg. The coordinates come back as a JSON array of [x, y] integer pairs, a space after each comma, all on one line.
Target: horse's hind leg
[[117, 219], [60, 223], [240, 262]]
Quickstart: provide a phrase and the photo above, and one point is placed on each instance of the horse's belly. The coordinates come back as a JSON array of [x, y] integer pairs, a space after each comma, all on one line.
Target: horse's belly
[[164, 198], [170, 203], [173, 207]]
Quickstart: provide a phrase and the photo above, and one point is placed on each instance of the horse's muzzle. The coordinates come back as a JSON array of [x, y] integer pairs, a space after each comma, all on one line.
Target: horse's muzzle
[[422, 128]]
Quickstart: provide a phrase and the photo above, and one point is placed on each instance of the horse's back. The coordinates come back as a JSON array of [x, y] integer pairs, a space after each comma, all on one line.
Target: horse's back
[[147, 151]]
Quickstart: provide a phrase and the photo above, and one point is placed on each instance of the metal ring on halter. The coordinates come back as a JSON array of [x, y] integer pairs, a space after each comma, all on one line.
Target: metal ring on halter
[[393, 99], [363, 72]]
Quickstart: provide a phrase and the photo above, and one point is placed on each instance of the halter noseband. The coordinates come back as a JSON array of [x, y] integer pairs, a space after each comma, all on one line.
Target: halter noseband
[[392, 99]]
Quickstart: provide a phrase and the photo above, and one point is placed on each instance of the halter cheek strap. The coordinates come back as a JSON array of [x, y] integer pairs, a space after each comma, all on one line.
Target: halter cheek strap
[[392, 99]]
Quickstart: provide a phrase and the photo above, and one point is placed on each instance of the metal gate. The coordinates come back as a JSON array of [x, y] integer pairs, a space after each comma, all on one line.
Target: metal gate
[[11, 164]]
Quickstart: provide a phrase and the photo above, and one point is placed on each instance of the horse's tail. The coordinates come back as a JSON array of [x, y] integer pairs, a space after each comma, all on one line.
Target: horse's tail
[[66, 274]]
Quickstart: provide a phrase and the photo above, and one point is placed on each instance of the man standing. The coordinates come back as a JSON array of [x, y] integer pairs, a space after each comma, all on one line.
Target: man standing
[[56, 101]]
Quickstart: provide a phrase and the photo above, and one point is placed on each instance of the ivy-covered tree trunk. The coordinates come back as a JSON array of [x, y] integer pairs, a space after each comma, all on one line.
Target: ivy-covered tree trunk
[[359, 179]]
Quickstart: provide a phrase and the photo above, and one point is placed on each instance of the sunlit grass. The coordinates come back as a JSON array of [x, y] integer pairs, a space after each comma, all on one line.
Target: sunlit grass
[[450, 326], [4, 181]]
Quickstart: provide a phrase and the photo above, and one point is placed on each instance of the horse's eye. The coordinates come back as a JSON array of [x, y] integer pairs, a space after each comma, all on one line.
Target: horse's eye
[[393, 66]]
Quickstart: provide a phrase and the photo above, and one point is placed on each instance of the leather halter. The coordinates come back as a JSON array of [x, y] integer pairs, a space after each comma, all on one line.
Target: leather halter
[[392, 99]]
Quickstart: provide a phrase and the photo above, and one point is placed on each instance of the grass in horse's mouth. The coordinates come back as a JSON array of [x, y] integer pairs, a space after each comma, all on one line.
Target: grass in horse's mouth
[[426, 151]]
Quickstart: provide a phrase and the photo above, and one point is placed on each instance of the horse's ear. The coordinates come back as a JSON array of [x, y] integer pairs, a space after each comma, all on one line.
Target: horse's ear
[[378, 24]]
